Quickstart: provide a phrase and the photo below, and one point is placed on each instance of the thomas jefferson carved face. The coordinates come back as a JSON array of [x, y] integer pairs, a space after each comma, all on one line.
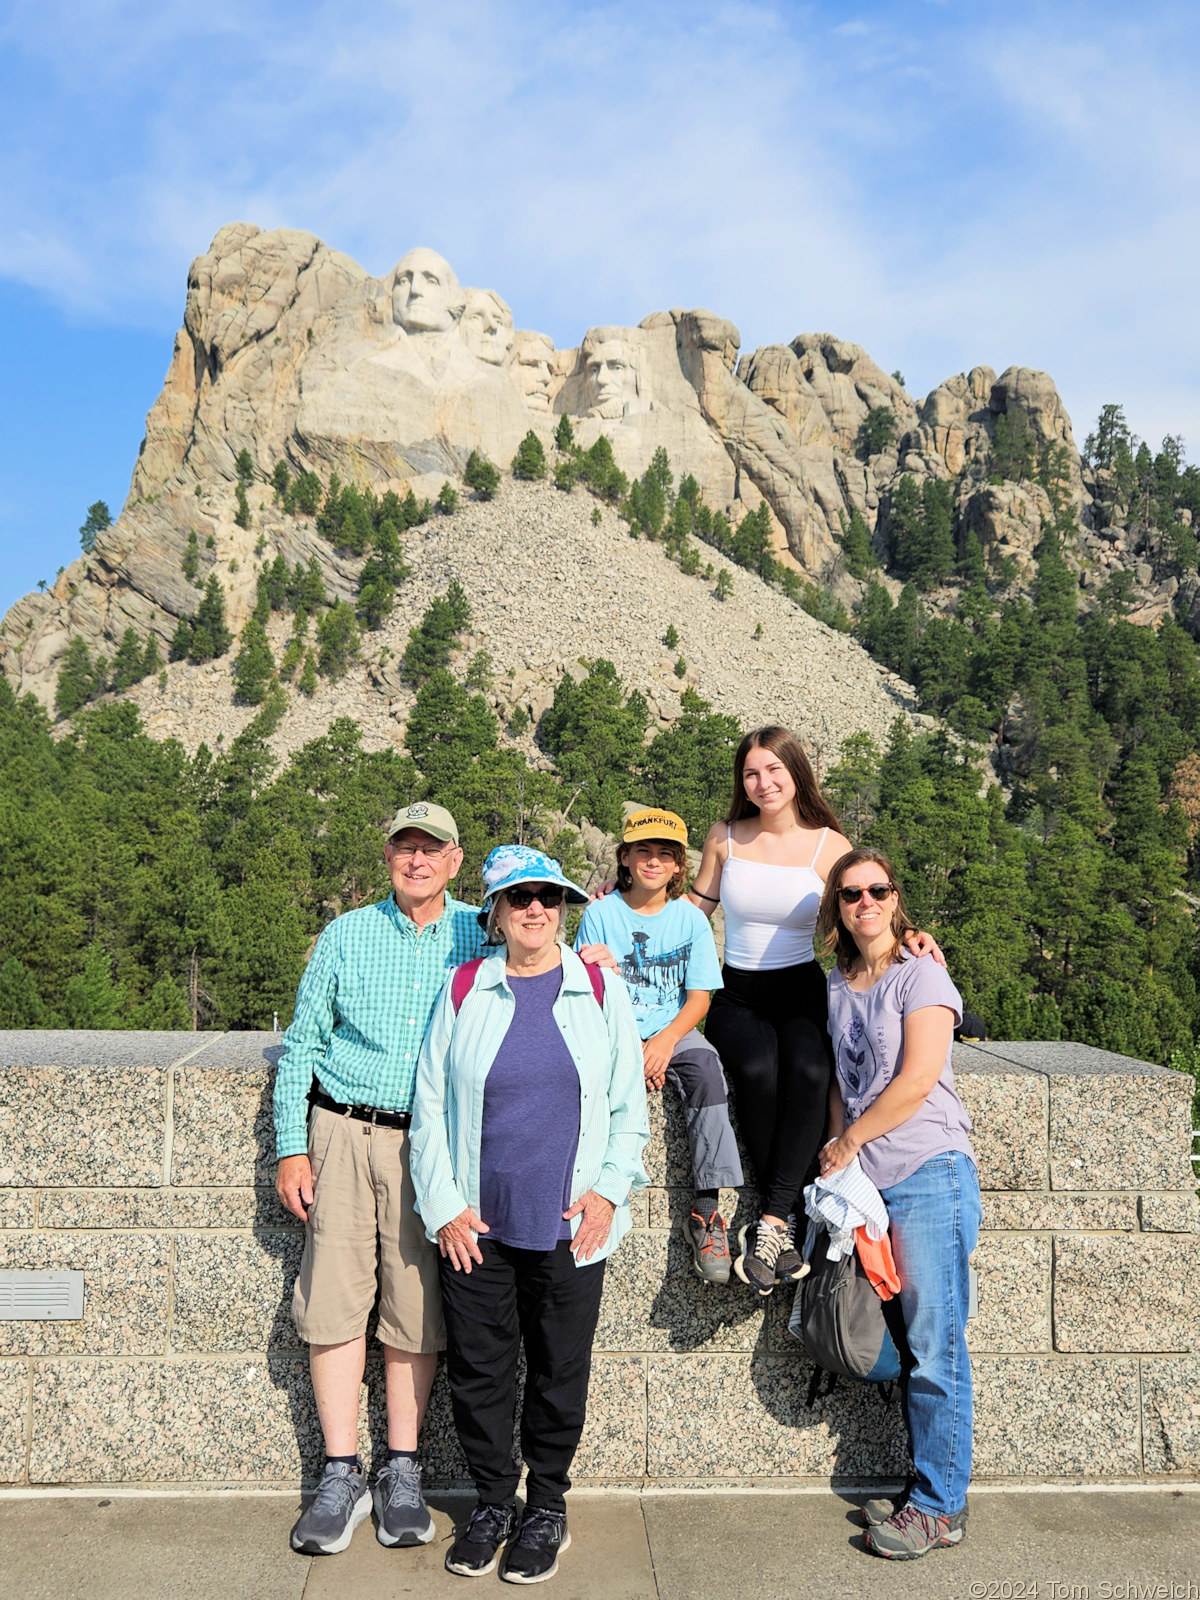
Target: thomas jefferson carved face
[[611, 378], [425, 293], [486, 326], [533, 368]]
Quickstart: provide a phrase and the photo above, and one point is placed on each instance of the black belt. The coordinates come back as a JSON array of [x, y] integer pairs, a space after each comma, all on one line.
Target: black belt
[[371, 1114]]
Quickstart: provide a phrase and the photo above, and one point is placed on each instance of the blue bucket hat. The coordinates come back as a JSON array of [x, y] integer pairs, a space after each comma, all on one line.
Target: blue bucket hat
[[511, 864]]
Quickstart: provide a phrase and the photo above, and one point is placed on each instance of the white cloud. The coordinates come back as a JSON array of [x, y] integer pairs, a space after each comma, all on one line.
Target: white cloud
[[943, 191]]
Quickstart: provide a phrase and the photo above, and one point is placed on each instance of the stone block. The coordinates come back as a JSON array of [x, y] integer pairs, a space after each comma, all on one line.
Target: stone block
[[1169, 1213], [162, 1208], [71, 1048], [747, 1417], [75, 1124], [1043, 1416], [653, 1300], [1060, 1212], [670, 1208], [1052, 1058], [16, 1208], [191, 1422], [1171, 1415], [124, 1293], [667, 1159], [14, 1419], [1138, 1293], [613, 1447], [224, 1133], [1008, 1125], [233, 1291], [1014, 1295], [1121, 1131]]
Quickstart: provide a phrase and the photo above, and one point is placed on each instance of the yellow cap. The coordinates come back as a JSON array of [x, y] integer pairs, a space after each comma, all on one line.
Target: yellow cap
[[654, 824]]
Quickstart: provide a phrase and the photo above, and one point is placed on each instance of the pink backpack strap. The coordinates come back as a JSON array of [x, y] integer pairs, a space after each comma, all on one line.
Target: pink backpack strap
[[597, 978], [461, 981]]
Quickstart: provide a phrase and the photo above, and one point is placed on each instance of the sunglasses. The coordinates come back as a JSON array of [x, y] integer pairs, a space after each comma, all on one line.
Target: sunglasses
[[550, 895], [877, 891]]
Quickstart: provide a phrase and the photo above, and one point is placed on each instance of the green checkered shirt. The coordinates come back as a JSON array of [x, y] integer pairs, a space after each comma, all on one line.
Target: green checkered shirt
[[362, 1008]]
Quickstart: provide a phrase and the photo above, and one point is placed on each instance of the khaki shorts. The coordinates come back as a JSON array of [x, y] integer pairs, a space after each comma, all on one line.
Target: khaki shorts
[[364, 1235]]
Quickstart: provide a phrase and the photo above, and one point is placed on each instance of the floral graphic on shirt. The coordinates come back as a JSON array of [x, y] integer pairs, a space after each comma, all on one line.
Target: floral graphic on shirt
[[655, 981], [856, 1064]]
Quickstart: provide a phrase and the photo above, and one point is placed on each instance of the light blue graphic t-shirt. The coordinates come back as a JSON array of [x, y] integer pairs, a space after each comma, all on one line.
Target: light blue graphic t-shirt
[[661, 957]]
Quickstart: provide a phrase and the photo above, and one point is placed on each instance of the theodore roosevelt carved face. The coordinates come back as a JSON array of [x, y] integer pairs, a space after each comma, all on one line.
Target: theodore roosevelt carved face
[[425, 293], [533, 368]]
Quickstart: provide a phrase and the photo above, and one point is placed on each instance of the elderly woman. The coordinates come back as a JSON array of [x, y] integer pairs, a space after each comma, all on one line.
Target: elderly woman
[[893, 1104], [527, 1136]]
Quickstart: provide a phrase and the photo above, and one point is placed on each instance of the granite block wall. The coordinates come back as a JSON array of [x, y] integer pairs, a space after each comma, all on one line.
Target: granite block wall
[[145, 1161]]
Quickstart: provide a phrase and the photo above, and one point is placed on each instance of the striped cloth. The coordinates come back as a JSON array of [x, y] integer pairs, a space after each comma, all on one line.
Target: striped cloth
[[364, 1002], [842, 1202]]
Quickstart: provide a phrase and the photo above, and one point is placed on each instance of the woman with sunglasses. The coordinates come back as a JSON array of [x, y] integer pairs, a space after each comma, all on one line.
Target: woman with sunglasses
[[527, 1136], [893, 1104]]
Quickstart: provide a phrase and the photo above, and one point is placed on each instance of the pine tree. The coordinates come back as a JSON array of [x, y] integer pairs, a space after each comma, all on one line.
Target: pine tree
[[857, 548], [878, 430], [481, 476], [152, 662], [281, 481], [98, 518], [181, 640], [210, 638], [21, 1006], [254, 665], [242, 515], [447, 499], [337, 640], [530, 459], [79, 678], [244, 466], [308, 678], [724, 584], [564, 434], [128, 665]]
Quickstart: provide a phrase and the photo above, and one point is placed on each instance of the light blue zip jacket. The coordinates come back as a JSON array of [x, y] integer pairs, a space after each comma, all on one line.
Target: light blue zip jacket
[[456, 1057]]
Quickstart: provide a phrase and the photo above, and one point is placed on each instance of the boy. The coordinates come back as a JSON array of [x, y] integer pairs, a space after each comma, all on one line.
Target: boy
[[666, 955]]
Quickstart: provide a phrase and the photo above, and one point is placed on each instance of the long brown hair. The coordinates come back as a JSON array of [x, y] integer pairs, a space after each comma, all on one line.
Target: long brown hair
[[813, 808], [831, 932]]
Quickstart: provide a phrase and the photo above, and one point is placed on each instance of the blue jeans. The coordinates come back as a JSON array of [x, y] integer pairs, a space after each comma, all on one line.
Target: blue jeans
[[935, 1215]]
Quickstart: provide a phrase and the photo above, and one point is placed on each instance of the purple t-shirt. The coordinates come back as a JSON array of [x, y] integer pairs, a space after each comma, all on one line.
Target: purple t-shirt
[[530, 1123], [868, 1050]]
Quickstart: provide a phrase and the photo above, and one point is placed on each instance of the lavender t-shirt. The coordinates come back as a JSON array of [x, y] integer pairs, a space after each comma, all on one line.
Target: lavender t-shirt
[[868, 1049]]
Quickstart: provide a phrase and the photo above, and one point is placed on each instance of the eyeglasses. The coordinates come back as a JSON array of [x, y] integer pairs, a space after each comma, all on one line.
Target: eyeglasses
[[877, 891], [431, 852], [550, 895]]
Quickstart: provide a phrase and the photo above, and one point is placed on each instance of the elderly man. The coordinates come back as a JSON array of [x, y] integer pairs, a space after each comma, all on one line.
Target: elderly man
[[343, 1102]]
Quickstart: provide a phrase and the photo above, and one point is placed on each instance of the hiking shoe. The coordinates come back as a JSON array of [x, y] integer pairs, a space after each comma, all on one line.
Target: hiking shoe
[[790, 1265], [534, 1555], [400, 1510], [341, 1502], [475, 1550], [710, 1246], [756, 1265], [910, 1533], [880, 1509]]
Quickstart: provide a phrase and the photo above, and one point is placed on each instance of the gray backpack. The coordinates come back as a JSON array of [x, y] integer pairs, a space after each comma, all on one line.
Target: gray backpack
[[845, 1328]]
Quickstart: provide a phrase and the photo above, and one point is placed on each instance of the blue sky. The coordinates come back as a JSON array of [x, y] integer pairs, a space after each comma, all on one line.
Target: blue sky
[[944, 184]]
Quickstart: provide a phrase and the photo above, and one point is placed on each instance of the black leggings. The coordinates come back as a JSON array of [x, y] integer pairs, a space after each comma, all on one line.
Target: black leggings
[[769, 1028]]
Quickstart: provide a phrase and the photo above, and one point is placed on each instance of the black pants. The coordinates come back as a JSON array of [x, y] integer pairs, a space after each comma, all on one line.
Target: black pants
[[542, 1298], [769, 1028]]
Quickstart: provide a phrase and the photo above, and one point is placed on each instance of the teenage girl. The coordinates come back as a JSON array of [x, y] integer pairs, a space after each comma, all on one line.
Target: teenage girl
[[766, 864]]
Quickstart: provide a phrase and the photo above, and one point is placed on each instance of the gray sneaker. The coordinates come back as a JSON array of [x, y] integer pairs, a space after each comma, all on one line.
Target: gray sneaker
[[341, 1502], [710, 1245], [910, 1533], [884, 1506], [400, 1509], [756, 1264]]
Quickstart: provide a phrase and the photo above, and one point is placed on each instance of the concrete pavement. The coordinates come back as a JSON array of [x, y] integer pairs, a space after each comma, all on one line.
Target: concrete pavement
[[1027, 1545]]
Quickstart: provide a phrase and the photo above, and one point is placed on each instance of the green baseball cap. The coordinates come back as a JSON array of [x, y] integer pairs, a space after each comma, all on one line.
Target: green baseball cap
[[433, 820]]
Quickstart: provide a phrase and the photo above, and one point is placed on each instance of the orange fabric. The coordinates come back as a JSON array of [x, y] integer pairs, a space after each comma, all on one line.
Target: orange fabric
[[878, 1263]]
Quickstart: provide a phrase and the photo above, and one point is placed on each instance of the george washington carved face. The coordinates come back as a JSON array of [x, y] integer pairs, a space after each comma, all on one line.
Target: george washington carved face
[[426, 297]]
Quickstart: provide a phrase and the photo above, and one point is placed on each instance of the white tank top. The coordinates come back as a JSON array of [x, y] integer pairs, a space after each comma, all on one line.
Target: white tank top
[[770, 911]]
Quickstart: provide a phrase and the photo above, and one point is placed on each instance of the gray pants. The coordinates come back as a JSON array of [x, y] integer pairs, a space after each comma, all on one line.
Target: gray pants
[[695, 1070]]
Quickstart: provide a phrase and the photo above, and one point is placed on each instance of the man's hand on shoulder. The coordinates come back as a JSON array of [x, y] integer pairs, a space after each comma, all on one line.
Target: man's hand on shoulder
[[294, 1185]]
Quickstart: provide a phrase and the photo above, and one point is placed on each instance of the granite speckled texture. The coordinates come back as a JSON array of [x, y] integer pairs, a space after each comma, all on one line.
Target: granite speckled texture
[[1060, 1213], [162, 1208], [124, 1293], [1008, 1124], [702, 1423], [1014, 1294], [233, 1291], [16, 1208], [116, 1117], [669, 1208], [653, 1300], [1113, 1292], [613, 1447], [1169, 1213], [1043, 1416], [173, 1421], [66, 1048], [1092, 1119], [224, 1135], [1171, 1414], [14, 1419]]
